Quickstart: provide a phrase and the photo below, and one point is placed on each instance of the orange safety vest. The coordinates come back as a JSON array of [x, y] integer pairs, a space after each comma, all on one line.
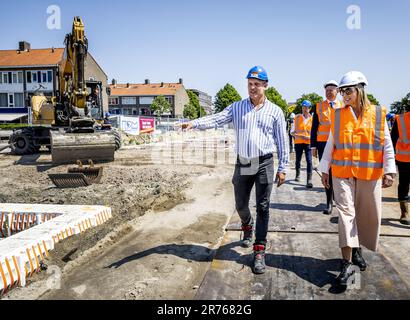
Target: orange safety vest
[[302, 129], [358, 144], [324, 114], [403, 143]]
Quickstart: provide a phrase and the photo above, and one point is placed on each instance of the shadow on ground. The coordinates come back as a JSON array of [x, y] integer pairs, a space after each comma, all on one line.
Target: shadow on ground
[[313, 270], [297, 207]]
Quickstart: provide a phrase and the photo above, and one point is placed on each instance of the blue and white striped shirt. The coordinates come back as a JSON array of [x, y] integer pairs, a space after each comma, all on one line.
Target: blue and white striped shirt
[[256, 131]]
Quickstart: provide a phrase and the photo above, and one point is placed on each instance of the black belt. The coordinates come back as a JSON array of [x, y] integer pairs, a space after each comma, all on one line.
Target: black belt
[[266, 156], [261, 158]]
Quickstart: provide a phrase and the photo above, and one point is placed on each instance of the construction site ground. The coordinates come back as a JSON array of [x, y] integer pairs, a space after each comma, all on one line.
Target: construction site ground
[[175, 233]]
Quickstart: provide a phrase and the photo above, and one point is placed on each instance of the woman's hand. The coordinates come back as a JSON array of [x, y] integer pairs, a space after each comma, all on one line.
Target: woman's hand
[[325, 180], [388, 180]]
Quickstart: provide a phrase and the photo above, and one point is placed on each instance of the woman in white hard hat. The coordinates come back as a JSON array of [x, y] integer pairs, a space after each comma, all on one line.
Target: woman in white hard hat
[[360, 153]]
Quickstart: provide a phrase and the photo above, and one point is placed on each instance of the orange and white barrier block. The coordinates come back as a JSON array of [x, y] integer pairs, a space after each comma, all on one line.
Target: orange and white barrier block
[[33, 231], [10, 273]]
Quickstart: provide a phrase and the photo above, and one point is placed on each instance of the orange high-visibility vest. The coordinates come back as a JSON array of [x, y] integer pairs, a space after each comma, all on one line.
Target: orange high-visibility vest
[[358, 144], [302, 129], [324, 114], [403, 143]]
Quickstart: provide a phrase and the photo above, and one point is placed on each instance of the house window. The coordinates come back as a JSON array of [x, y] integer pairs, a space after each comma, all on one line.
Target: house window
[[5, 78], [129, 100], [129, 111], [146, 100], [34, 77], [1, 78], [39, 76], [143, 111], [113, 101], [3, 100], [19, 100], [49, 76], [20, 77], [11, 100], [14, 77], [45, 77], [28, 75], [10, 77]]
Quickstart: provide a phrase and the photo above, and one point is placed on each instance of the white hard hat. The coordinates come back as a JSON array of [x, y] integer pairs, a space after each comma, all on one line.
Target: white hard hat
[[292, 115], [331, 83], [353, 78]]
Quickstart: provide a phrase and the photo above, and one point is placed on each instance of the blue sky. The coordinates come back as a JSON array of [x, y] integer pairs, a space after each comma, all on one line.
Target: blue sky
[[209, 43]]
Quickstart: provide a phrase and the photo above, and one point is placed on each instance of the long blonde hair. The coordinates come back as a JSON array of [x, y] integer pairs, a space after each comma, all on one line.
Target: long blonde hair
[[362, 99]]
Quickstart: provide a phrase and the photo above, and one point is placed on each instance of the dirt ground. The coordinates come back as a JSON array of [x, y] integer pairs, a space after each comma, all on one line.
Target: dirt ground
[[156, 206]]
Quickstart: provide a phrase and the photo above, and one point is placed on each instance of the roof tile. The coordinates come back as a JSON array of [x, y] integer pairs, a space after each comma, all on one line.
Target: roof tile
[[153, 89], [34, 57]]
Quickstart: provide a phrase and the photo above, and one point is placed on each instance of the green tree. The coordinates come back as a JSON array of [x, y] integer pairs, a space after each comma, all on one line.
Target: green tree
[[194, 102], [160, 106], [398, 107], [275, 97], [225, 97], [190, 111], [313, 97], [373, 100]]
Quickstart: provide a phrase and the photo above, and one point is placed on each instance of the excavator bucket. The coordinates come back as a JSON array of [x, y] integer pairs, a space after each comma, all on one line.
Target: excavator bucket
[[81, 176], [93, 173], [67, 148], [70, 180]]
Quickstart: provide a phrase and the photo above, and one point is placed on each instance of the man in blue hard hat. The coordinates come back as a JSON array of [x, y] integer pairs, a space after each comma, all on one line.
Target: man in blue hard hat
[[259, 126]]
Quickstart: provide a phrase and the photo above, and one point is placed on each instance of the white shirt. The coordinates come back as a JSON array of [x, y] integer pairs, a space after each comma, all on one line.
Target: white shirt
[[389, 163]]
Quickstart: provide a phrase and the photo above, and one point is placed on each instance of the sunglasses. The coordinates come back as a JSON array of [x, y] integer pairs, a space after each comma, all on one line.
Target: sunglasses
[[346, 91]]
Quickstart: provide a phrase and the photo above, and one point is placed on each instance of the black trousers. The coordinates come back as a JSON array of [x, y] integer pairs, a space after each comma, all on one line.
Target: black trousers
[[259, 173], [404, 180], [299, 149]]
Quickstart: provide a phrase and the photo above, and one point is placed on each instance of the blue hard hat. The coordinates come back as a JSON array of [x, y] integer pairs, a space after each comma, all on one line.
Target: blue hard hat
[[107, 114], [258, 72], [306, 103], [390, 116]]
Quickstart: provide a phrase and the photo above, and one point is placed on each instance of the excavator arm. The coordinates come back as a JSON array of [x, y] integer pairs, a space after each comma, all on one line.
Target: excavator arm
[[82, 140], [70, 131]]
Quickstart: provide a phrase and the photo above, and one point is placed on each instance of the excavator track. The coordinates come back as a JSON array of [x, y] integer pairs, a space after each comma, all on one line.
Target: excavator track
[[67, 148]]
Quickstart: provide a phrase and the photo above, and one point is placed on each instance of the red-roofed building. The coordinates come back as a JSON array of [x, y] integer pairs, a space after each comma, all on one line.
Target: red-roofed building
[[25, 70], [136, 99]]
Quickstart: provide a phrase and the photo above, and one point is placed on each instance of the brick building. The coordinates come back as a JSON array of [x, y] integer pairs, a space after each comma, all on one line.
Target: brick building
[[136, 99], [25, 71]]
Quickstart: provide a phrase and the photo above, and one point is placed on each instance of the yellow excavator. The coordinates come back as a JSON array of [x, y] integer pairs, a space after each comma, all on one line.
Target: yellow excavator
[[70, 125]]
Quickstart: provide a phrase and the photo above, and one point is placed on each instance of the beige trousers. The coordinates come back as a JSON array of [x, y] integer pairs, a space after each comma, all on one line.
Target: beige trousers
[[359, 206]]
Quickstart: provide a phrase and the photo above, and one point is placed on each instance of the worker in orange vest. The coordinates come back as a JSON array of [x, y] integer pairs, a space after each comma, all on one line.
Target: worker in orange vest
[[360, 152], [301, 131], [320, 131], [401, 140]]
